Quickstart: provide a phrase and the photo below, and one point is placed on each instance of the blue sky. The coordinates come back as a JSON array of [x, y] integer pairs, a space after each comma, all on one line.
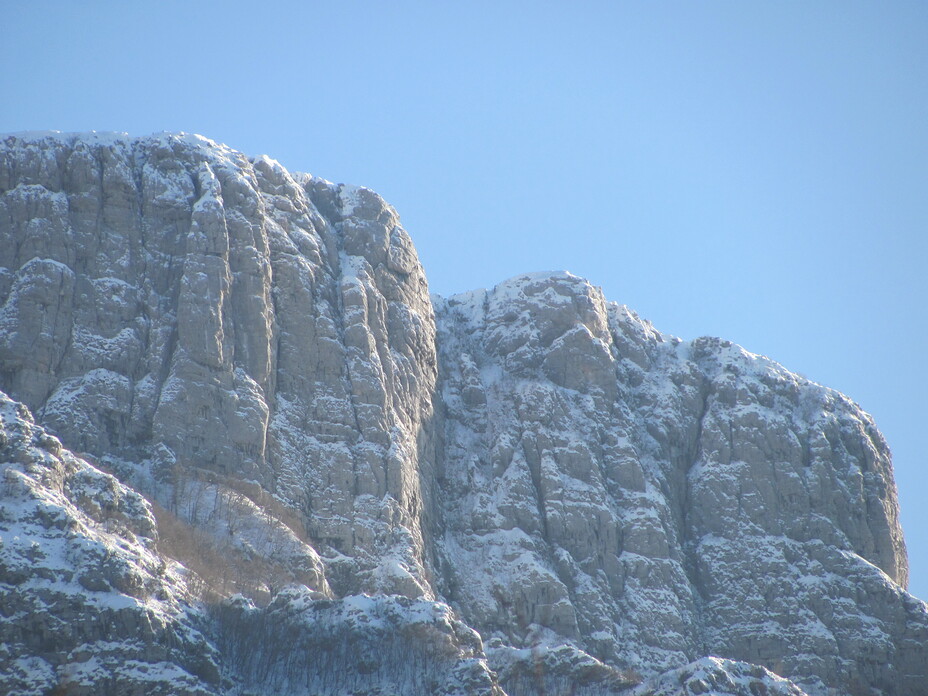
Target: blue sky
[[752, 171]]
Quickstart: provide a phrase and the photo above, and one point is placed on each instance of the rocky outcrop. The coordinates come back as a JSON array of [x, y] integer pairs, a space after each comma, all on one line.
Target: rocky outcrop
[[654, 500], [370, 645], [170, 303], [256, 352], [90, 605], [87, 603], [718, 677]]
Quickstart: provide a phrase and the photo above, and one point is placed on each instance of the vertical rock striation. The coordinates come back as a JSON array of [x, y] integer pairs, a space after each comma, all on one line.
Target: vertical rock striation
[[169, 302], [655, 500], [256, 351]]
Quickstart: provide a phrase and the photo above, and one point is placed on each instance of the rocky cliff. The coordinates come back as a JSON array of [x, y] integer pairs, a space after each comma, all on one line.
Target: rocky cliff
[[320, 479]]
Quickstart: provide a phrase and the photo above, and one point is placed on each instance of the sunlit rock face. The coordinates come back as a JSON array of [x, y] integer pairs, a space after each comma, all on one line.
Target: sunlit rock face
[[533, 485], [653, 500], [171, 303]]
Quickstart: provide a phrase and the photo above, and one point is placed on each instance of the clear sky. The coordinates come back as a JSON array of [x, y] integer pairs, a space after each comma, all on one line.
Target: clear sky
[[756, 171]]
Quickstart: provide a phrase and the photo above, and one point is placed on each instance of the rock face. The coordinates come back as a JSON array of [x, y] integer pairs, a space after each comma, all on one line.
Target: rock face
[[654, 501], [256, 353], [88, 604], [169, 302]]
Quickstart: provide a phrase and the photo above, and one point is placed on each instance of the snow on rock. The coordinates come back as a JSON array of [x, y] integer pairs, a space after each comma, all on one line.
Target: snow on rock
[[211, 319], [88, 604], [360, 644], [257, 353], [653, 501], [718, 677]]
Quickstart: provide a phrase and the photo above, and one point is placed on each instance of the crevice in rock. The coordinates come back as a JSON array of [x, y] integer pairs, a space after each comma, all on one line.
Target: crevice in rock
[[688, 540]]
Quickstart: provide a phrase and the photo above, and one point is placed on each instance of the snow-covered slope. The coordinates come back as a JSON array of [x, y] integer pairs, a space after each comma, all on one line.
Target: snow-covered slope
[[87, 601], [255, 357]]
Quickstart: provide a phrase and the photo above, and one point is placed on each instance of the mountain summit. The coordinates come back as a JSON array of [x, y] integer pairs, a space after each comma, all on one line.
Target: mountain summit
[[245, 452]]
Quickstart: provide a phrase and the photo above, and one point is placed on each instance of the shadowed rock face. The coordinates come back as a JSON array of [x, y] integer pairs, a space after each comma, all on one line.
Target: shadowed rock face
[[249, 347], [88, 604]]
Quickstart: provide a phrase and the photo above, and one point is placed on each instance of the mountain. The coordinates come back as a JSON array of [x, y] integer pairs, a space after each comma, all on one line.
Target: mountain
[[244, 451]]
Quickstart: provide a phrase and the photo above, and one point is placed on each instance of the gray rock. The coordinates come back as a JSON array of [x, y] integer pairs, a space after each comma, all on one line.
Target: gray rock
[[88, 604], [256, 352], [170, 295], [654, 501], [718, 678], [91, 605]]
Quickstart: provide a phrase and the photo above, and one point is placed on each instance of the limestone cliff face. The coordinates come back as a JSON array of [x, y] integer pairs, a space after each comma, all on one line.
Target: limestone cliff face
[[168, 302], [655, 500], [257, 353]]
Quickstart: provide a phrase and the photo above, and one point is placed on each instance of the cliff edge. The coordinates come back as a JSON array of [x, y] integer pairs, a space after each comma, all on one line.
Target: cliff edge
[[533, 486]]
